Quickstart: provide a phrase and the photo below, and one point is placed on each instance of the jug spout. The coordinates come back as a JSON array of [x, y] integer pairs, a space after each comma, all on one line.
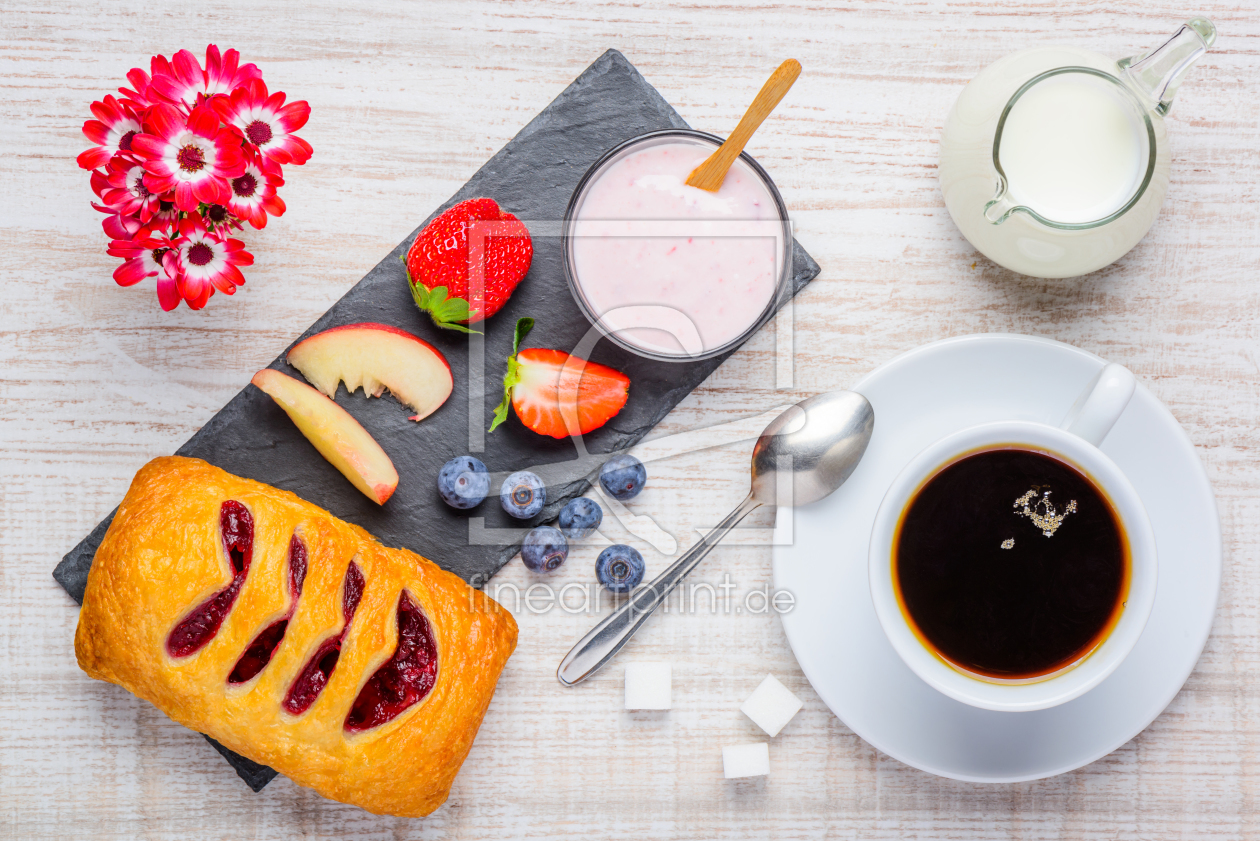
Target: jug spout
[[1000, 208], [1157, 74]]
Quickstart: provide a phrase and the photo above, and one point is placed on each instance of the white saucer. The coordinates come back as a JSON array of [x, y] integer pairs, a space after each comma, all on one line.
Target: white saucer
[[921, 396]]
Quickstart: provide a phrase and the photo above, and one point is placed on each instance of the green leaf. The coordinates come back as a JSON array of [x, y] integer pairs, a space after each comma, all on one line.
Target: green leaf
[[447, 309], [457, 327], [510, 379], [513, 375], [523, 326], [448, 313], [421, 296]]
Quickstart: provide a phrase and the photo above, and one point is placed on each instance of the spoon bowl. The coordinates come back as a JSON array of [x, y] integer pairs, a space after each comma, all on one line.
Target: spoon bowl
[[815, 444]]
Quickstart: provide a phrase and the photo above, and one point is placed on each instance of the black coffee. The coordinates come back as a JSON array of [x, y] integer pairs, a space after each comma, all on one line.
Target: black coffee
[[1011, 563]]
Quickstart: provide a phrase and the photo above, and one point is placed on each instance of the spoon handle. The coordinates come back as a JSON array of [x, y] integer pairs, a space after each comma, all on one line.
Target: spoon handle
[[606, 639], [710, 174]]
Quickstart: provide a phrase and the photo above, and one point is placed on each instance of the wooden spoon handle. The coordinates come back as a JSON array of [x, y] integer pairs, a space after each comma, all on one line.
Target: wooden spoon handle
[[710, 174]]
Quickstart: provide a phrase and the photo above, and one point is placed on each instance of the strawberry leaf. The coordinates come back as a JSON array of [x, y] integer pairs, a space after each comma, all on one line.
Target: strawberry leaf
[[449, 313], [513, 375], [523, 326], [510, 379]]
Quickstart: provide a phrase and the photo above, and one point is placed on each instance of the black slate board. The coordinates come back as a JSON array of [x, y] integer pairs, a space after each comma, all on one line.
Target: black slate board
[[533, 177]]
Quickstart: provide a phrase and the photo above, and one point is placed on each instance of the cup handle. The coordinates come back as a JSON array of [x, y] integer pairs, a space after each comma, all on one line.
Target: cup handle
[[1100, 404]]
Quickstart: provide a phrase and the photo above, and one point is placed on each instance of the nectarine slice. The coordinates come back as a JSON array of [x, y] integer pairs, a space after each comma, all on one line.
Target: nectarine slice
[[375, 357], [338, 437]]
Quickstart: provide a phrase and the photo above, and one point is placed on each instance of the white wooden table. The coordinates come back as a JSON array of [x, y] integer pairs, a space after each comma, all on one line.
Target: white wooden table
[[408, 100]]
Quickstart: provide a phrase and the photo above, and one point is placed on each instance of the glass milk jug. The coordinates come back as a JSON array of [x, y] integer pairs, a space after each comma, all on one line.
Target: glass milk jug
[[1054, 160]]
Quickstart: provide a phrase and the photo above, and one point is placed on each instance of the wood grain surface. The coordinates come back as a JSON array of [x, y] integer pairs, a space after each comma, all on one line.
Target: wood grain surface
[[408, 100]]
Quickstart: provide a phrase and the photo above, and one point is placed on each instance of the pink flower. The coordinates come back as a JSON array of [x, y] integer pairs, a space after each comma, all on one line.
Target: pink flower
[[139, 94], [117, 225], [115, 126], [150, 255], [185, 84], [186, 156], [167, 215], [193, 159], [266, 122], [207, 262], [219, 218], [126, 191], [254, 192]]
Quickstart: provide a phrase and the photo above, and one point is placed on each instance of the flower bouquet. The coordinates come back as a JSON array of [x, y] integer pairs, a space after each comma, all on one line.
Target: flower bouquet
[[187, 156]]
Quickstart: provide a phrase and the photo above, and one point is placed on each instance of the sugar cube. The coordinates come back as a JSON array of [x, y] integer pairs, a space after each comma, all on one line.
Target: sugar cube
[[746, 760], [771, 706], [648, 686]]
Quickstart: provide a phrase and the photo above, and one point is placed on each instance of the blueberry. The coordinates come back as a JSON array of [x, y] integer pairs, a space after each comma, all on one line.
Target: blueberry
[[523, 495], [463, 482], [579, 517], [619, 568], [622, 476], [545, 549]]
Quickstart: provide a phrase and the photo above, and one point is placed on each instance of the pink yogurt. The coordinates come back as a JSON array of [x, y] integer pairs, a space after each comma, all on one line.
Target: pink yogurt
[[672, 269]]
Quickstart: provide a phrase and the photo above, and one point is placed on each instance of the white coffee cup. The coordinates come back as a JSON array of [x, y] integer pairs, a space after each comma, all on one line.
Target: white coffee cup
[[1076, 442]]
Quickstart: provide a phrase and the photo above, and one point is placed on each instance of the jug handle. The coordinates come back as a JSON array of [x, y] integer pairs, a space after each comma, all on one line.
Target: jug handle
[[1157, 74]]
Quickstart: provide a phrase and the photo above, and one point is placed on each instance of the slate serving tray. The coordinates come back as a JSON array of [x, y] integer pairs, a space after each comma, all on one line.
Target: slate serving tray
[[533, 177]]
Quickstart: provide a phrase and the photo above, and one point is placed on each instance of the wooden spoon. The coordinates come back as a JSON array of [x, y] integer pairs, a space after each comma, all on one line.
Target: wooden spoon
[[710, 174]]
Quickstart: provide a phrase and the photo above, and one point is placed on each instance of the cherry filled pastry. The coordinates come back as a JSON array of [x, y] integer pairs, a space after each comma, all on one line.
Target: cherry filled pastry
[[291, 637]]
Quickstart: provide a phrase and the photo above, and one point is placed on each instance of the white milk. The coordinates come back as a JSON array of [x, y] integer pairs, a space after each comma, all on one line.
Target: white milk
[[1074, 148]]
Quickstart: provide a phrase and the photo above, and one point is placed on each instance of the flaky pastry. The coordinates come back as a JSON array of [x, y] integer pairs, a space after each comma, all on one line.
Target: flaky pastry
[[291, 637]]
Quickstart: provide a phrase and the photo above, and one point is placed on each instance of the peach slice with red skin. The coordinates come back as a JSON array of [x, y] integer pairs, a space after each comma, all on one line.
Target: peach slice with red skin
[[338, 437], [375, 357]]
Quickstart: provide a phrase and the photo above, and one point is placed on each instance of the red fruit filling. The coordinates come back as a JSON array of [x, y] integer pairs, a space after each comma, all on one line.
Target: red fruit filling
[[404, 680], [199, 627], [260, 651], [258, 655], [318, 670]]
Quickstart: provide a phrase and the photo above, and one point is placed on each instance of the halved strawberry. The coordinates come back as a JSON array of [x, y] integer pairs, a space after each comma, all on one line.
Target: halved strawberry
[[557, 394]]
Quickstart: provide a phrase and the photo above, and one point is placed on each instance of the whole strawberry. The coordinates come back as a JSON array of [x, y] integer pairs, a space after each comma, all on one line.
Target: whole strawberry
[[462, 272]]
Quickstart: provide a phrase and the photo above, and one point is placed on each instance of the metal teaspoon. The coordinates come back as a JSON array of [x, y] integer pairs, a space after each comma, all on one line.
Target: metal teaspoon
[[808, 451]]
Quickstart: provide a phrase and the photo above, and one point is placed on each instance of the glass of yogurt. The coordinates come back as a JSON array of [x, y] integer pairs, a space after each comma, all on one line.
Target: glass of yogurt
[[673, 272]]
